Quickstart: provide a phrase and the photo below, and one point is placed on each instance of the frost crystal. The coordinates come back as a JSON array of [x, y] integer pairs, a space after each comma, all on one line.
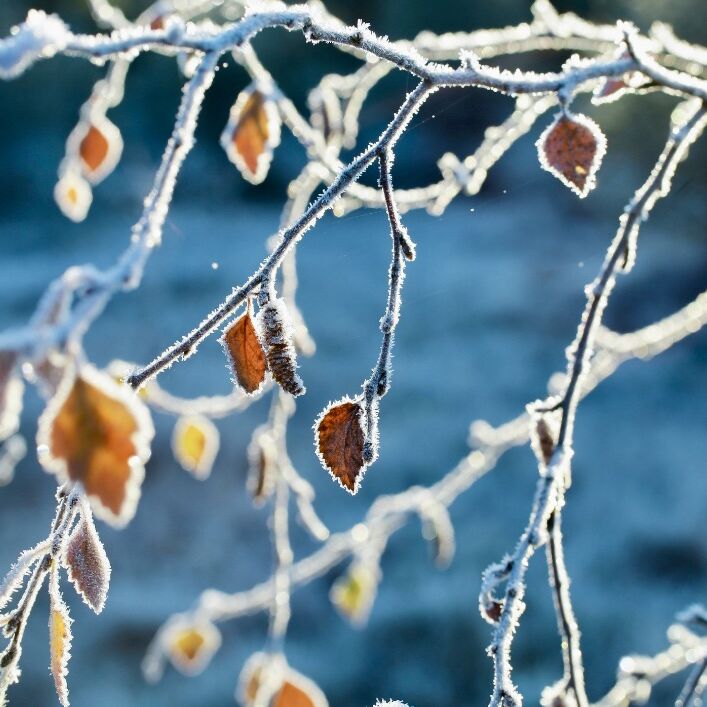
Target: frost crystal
[[40, 35]]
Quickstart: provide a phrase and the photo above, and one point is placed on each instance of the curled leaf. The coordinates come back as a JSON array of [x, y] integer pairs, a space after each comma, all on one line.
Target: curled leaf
[[98, 433], [245, 353], [59, 639], [340, 442], [252, 133], [191, 644], [195, 443], [572, 149], [87, 563], [353, 594], [275, 332], [73, 196], [261, 466], [11, 390]]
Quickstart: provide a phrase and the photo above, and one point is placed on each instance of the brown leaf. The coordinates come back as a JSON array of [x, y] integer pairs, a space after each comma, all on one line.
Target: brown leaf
[[59, 639], [97, 433], [252, 133], [87, 563], [93, 148], [572, 149], [340, 443], [245, 353], [195, 443], [191, 644], [609, 89]]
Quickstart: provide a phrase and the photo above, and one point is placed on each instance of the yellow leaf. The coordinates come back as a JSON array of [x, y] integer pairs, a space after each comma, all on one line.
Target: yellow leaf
[[97, 433], [353, 593], [191, 644], [59, 639], [195, 443]]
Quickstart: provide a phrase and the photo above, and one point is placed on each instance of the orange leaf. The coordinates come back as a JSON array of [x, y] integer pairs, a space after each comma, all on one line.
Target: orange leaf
[[87, 563], [195, 443], [59, 639], [340, 441], [190, 644], [285, 686], [252, 133], [97, 433], [572, 149], [98, 144], [245, 353]]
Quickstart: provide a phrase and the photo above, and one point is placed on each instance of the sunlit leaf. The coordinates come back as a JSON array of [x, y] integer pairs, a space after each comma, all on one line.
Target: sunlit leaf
[[353, 594], [195, 443], [99, 146], [98, 433], [59, 639], [245, 353], [191, 644], [340, 442], [73, 195], [572, 149], [252, 133], [283, 686], [87, 563]]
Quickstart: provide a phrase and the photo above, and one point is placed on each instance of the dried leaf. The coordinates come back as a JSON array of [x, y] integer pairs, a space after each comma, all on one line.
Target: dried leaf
[[87, 563], [73, 196], [245, 353], [195, 443], [191, 644], [97, 433], [609, 89], [572, 149], [275, 333], [11, 390], [340, 442], [252, 133], [59, 639], [261, 466], [284, 686], [98, 144], [353, 594]]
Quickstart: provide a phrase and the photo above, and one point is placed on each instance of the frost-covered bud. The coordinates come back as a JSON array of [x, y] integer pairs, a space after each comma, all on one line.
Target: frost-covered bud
[[275, 334]]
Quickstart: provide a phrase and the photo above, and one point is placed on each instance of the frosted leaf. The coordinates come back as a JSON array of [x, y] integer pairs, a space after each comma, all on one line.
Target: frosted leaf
[[191, 643], [267, 679], [73, 196], [245, 353], [252, 133], [11, 390], [87, 563], [354, 593], [98, 145], [59, 639], [40, 35], [390, 703], [98, 433], [13, 579], [340, 441], [195, 443], [572, 148]]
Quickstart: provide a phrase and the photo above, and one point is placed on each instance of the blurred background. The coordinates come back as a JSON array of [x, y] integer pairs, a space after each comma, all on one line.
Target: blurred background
[[489, 306]]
